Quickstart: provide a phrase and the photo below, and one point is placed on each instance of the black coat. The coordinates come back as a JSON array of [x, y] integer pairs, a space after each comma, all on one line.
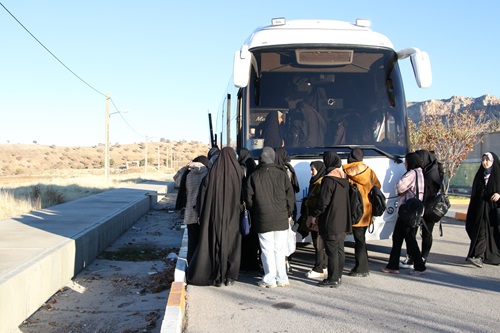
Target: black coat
[[217, 256], [269, 197], [333, 209]]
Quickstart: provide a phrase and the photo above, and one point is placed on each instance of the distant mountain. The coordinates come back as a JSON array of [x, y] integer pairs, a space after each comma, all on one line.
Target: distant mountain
[[489, 103]]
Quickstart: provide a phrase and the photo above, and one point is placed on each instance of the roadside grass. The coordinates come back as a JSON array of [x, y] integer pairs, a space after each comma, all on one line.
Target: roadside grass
[[26, 196]]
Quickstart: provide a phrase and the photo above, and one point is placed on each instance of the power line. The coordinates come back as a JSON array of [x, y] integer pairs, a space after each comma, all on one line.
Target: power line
[[52, 54], [55, 57]]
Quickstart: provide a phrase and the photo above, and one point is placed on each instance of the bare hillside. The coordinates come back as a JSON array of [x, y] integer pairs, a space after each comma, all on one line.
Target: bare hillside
[[35, 160]]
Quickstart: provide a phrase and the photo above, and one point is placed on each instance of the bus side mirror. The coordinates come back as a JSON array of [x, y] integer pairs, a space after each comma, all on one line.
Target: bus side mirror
[[421, 65], [241, 67]]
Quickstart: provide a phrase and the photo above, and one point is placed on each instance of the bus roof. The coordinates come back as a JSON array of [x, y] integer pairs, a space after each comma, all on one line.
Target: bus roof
[[314, 32]]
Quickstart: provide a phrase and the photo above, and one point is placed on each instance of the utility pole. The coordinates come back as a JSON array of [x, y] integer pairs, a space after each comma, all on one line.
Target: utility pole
[[146, 159], [159, 144], [228, 119], [106, 140]]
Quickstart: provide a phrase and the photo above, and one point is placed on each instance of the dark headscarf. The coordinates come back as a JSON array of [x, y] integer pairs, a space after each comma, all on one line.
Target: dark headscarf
[[270, 130], [246, 161], [356, 155], [430, 167], [332, 161], [413, 161], [283, 159], [203, 160], [214, 151], [320, 166]]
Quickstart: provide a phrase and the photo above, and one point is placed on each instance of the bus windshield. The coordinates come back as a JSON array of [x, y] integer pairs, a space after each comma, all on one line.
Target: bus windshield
[[311, 99]]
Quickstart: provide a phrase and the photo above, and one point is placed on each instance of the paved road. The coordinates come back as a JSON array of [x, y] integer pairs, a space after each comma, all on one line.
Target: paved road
[[453, 297]]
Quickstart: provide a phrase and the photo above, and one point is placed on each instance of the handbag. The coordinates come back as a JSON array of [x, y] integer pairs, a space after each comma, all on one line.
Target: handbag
[[411, 211], [377, 199], [291, 239], [245, 221], [436, 208]]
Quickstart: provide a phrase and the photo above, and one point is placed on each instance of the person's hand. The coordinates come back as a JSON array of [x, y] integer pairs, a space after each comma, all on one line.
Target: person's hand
[[495, 197], [311, 223]]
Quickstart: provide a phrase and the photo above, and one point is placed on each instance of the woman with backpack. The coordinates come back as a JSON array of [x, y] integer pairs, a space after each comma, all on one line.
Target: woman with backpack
[[406, 188], [331, 215], [364, 178]]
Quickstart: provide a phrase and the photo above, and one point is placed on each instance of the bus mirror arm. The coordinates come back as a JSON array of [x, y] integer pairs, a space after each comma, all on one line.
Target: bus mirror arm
[[421, 65]]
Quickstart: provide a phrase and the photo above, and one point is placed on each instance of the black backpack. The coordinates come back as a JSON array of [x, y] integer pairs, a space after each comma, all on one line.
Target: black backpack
[[356, 203], [377, 199]]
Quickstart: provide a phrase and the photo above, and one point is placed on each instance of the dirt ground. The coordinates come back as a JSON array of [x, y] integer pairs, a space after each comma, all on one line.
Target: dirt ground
[[124, 290]]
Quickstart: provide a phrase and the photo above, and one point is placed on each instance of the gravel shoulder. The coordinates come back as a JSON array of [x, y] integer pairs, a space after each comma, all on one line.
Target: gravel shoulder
[[125, 289]]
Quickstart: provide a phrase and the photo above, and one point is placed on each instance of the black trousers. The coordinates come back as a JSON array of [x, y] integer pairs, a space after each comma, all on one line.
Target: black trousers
[[336, 258], [360, 251], [404, 233], [321, 260], [193, 239]]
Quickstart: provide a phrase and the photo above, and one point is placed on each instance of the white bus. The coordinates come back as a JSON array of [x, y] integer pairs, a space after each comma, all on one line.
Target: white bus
[[335, 86]]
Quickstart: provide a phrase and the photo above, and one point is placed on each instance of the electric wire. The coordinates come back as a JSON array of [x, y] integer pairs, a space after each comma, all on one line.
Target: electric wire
[[78, 77]]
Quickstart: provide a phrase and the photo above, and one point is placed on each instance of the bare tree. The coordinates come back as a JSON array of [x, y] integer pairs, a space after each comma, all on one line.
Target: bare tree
[[450, 136]]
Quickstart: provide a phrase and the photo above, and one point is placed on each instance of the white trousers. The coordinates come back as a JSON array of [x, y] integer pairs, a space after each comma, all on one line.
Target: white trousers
[[273, 246]]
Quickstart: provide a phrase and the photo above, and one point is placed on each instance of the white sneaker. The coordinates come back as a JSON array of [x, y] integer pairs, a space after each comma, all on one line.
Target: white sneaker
[[407, 263], [314, 275]]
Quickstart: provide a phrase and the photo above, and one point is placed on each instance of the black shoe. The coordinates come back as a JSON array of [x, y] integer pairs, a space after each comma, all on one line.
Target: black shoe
[[229, 282], [358, 274], [217, 283], [330, 283], [478, 262]]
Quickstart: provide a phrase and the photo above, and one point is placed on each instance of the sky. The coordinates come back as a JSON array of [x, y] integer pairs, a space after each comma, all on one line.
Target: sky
[[167, 64]]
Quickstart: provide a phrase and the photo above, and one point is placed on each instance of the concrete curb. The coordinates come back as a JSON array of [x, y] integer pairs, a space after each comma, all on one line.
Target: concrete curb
[[176, 304], [456, 215]]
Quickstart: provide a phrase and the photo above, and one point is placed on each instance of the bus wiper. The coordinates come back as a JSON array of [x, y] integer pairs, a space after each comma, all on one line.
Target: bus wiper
[[305, 155], [395, 158]]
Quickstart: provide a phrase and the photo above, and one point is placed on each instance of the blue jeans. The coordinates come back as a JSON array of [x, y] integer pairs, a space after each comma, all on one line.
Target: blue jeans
[[273, 253]]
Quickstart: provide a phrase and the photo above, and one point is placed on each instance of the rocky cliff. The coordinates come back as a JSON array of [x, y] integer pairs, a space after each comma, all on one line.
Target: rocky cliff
[[489, 103]]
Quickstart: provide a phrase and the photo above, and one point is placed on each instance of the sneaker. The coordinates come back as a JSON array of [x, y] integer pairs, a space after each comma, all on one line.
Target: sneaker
[[407, 263], [312, 274], [417, 273], [478, 262], [283, 284], [262, 284]]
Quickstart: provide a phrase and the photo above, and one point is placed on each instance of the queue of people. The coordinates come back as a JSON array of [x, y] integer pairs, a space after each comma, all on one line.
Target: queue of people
[[217, 187]]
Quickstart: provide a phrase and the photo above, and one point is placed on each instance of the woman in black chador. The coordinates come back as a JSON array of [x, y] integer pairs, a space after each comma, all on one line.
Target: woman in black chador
[[216, 260], [482, 223]]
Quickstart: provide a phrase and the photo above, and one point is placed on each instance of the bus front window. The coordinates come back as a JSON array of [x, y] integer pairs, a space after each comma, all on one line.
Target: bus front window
[[309, 108]]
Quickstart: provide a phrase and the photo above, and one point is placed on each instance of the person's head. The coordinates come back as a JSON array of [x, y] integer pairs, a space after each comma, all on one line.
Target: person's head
[[267, 155], [412, 161], [317, 168], [487, 160], [214, 151], [203, 159], [356, 155], [332, 161]]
